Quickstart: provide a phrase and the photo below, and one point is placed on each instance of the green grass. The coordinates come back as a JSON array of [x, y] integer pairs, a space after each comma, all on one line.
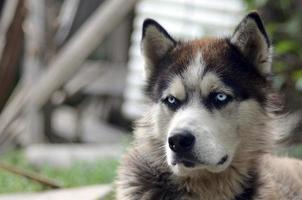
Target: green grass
[[79, 174], [293, 151]]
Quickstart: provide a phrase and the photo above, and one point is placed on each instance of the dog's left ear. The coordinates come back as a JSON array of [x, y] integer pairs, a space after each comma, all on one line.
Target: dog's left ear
[[252, 40], [156, 43]]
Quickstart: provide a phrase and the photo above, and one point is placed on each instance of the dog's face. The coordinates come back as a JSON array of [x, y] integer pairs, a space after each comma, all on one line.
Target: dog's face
[[206, 93]]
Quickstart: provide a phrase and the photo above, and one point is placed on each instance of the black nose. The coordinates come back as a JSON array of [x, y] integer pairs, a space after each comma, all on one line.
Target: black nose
[[181, 142]]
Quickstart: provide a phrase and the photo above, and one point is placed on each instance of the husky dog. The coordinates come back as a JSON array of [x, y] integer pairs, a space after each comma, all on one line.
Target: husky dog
[[212, 121]]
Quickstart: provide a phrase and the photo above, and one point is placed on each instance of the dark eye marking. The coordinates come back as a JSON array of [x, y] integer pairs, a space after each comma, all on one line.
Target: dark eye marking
[[172, 102], [219, 99]]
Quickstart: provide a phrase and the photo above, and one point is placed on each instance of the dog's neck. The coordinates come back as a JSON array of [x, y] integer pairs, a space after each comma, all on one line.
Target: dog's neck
[[249, 188]]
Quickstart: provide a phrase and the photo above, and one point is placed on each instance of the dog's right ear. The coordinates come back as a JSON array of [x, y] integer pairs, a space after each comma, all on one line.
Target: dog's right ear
[[251, 39], [156, 43]]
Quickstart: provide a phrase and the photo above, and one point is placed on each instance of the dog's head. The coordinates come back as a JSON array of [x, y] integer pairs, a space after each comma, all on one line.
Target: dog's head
[[209, 95]]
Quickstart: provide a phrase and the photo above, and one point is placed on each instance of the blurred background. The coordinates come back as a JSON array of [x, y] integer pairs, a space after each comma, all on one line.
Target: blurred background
[[71, 78]]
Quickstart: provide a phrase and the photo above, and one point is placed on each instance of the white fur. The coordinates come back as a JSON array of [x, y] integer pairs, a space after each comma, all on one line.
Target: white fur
[[211, 82], [216, 133], [216, 136], [194, 71], [176, 89]]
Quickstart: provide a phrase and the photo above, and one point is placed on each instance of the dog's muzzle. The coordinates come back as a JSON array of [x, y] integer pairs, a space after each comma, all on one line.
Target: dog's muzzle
[[182, 143]]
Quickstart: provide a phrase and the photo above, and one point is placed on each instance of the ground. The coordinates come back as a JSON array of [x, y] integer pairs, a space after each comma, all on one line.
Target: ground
[[79, 174]]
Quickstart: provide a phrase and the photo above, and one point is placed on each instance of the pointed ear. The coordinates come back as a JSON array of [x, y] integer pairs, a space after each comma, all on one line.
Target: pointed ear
[[156, 43], [251, 39]]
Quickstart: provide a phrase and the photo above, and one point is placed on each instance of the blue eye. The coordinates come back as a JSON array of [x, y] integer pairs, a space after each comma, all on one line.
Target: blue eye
[[220, 99], [172, 102]]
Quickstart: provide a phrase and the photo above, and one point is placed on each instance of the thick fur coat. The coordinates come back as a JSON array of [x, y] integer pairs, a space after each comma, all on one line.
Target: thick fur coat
[[218, 91]]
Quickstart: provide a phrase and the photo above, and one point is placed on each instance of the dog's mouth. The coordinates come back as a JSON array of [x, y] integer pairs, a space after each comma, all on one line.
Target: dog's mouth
[[186, 162], [190, 163]]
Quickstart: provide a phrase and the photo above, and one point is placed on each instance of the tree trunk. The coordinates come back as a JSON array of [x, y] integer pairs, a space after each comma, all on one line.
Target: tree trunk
[[10, 59]]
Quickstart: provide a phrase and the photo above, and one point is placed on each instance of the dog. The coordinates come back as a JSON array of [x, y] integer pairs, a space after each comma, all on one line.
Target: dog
[[212, 122]]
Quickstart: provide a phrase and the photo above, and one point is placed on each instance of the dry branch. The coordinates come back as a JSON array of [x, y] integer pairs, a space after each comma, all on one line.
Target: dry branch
[[30, 175], [69, 59], [66, 19]]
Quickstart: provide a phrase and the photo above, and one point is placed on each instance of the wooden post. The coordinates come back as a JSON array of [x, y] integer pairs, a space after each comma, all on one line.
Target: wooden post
[[34, 40]]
